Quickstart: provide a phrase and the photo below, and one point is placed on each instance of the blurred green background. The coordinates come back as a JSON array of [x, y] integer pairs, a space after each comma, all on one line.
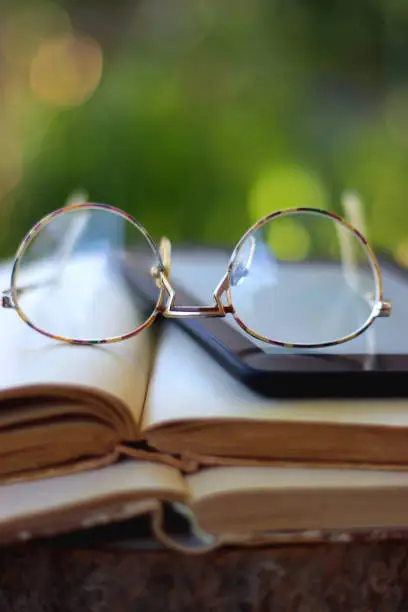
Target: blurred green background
[[200, 116]]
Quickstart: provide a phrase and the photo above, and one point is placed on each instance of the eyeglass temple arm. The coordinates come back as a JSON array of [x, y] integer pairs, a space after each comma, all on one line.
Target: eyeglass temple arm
[[169, 310], [71, 237], [354, 211]]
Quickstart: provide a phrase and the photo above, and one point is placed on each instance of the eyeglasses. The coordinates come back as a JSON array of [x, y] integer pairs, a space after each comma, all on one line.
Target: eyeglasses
[[299, 277]]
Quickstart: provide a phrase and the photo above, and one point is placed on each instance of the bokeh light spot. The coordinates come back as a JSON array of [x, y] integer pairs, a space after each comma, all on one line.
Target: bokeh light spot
[[66, 70], [288, 239], [285, 186], [25, 28]]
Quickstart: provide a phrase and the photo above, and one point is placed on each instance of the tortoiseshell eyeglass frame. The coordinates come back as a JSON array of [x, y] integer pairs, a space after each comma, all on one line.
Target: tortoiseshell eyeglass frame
[[161, 273]]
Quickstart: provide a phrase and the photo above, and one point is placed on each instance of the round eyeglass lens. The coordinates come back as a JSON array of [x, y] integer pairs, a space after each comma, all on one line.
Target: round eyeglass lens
[[73, 278], [303, 278]]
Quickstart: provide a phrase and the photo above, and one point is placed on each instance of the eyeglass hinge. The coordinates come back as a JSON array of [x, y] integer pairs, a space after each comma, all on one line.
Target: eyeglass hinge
[[385, 309]]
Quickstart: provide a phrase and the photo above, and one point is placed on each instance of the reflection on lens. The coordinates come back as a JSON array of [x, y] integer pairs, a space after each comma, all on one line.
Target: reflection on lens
[[75, 279], [303, 278]]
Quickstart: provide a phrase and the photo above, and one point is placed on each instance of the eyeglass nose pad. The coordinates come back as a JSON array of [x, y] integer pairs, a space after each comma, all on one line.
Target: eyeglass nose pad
[[243, 262], [165, 256]]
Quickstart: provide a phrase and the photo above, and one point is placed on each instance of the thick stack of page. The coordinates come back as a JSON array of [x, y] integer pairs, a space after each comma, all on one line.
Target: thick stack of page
[[224, 505], [194, 406]]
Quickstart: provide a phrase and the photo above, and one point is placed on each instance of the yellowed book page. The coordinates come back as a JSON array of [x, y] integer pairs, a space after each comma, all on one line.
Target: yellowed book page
[[249, 499], [32, 364], [188, 385], [27, 509]]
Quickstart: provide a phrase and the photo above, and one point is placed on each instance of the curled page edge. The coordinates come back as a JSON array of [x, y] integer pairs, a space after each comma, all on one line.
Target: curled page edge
[[196, 542], [149, 455], [191, 463]]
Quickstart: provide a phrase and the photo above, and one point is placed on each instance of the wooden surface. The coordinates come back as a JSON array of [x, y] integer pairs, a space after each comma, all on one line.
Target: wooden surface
[[326, 577]]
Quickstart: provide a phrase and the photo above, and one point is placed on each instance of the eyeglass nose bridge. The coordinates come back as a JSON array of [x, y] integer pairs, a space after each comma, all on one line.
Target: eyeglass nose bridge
[[169, 309]]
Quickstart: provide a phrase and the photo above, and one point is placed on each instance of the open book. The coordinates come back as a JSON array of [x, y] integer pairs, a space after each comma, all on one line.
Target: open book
[[159, 397], [233, 506]]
